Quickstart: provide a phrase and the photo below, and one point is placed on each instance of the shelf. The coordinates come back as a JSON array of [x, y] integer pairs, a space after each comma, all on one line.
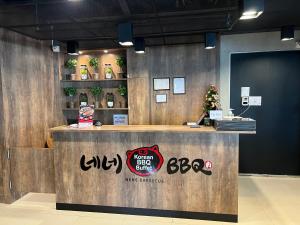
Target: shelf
[[97, 109], [103, 80]]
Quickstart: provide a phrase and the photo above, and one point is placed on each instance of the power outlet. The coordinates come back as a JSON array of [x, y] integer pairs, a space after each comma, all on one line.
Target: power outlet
[[255, 100]]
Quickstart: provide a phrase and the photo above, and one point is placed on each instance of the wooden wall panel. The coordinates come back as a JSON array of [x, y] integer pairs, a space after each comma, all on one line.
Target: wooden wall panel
[[198, 65], [138, 88], [32, 170], [31, 94]]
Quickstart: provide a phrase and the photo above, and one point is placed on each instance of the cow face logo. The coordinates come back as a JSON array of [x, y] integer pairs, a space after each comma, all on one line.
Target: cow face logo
[[144, 161]]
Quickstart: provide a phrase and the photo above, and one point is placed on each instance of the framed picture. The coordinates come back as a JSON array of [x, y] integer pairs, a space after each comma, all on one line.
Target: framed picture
[[161, 98], [178, 85], [161, 84]]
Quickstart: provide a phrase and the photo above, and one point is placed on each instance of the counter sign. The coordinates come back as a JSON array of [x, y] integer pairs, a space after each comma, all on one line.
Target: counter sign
[[144, 161]]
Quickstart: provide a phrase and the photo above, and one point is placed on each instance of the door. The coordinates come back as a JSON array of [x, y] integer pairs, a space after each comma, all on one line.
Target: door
[[275, 76]]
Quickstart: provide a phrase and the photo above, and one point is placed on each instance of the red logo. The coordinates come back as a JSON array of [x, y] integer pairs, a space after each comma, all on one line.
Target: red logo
[[208, 164], [144, 161]]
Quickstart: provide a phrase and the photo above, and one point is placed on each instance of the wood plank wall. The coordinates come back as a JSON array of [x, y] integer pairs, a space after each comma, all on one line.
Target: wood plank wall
[[31, 95], [198, 65]]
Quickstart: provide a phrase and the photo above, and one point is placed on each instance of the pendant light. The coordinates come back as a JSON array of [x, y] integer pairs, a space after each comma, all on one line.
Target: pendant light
[[287, 33], [210, 40], [139, 45], [125, 34], [73, 48], [251, 9]]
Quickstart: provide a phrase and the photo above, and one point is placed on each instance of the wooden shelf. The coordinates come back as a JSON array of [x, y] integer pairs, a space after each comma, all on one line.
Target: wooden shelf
[[97, 109], [102, 80]]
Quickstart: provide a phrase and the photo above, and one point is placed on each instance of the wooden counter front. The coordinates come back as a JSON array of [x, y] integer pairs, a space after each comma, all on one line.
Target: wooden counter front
[[177, 189]]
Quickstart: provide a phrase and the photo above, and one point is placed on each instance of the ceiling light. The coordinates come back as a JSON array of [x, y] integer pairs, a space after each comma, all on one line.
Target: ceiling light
[[80, 52], [287, 33], [251, 9], [125, 34], [210, 40], [105, 51], [73, 48], [139, 45]]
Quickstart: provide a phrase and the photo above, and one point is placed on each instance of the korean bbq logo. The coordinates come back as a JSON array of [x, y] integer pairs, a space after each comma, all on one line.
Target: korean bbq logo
[[144, 161]]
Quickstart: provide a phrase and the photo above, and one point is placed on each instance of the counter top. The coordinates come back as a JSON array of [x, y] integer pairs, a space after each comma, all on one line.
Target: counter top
[[145, 128]]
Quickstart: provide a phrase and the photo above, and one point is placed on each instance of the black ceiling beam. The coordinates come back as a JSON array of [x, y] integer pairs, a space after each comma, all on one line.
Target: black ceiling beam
[[125, 8], [135, 17], [158, 20]]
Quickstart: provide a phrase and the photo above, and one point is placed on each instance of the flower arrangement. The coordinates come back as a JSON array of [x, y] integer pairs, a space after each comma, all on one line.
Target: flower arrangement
[[71, 64], [212, 100], [94, 63]]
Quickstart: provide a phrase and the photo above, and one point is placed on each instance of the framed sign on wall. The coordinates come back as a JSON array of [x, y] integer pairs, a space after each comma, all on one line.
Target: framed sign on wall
[[161, 98], [178, 85], [161, 84]]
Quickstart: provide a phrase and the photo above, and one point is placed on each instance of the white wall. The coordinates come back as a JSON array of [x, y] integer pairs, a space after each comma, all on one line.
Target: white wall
[[242, 43]]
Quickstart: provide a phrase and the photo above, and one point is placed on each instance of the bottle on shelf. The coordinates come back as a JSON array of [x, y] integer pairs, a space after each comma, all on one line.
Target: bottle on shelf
[[108, 71], [110, 99], [83, 72], [83, 99]]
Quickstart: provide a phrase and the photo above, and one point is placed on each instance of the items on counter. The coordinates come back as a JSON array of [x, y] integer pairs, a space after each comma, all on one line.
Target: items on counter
[[120, 119], [86, 115]]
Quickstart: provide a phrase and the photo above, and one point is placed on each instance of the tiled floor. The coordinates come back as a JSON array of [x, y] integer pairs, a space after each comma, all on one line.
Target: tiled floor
[[262, 201]]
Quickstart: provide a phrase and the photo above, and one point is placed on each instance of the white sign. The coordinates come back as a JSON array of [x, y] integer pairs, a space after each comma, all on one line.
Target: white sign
[[245, 91], [178, 85], [255, 100], [161, 98], [120, 119], [216, 114], [161, 84]]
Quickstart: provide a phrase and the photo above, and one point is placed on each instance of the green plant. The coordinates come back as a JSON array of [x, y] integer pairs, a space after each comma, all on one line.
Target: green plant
[[71, 64], [212, 101], [94, 63], [96, 91], [121, 61], [122, 90], [70, 91]]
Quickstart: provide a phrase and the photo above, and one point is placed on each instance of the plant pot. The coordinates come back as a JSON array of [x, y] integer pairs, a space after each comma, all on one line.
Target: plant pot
[[68, 76], [122, 75], [96, 76], [97, 104], [71, 105], [73, 76]]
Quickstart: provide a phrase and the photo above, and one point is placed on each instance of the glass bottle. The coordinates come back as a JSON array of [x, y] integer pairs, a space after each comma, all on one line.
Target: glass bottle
[[83, 99], [83, 72], [108, 71], [110, 99]]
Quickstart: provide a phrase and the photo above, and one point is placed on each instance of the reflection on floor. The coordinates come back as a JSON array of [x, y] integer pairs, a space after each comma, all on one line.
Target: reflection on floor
[[262, 200]]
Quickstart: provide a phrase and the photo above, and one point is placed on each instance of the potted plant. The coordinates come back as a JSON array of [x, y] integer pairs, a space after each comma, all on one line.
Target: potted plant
[[71, 66], [212, 102], [70, 92], [123, 92], [122, 62], [96, 92], [94, 63]]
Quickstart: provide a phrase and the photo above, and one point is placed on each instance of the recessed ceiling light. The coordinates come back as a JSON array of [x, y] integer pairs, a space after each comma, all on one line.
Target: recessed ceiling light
[[73, 48], [251, 9], [139, 45], [210, 40], [125, 34], [105, 51], [287, 33], [80, 52]]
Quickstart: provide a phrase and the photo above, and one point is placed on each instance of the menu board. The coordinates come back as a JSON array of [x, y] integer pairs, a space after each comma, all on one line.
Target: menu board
[[86, 115]]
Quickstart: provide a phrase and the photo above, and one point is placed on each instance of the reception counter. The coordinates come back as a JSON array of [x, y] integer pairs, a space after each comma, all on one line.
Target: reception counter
[[158, 170]]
